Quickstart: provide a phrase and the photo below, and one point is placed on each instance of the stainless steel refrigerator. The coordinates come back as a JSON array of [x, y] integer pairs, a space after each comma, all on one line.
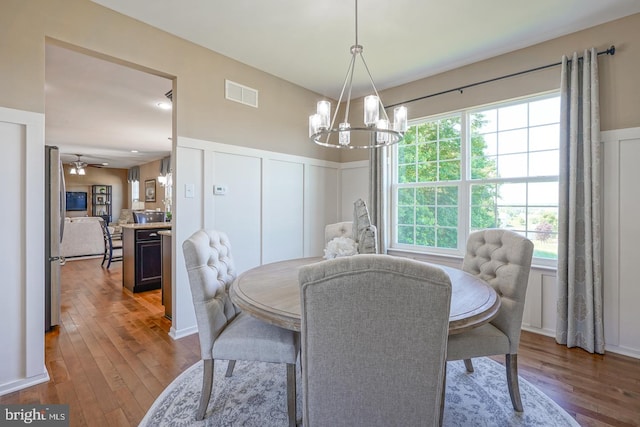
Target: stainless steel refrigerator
[[54, 229]]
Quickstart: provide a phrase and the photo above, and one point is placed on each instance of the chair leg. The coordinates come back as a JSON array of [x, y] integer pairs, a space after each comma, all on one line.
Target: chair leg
[[230, 366], [444, 389], [291, 393], [207, 385], [468, 365], [512, 381]]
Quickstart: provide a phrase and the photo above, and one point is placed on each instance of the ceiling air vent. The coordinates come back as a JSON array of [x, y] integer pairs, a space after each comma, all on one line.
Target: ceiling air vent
[[240, 93]]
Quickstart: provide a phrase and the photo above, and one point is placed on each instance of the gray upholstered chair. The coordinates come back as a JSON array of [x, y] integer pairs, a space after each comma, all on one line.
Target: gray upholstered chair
[[503, 259], [374, 334], [225, 332]]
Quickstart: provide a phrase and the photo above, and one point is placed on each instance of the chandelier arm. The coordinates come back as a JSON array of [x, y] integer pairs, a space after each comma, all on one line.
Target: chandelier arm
[[348, 106], [347, 79], [373, 85]]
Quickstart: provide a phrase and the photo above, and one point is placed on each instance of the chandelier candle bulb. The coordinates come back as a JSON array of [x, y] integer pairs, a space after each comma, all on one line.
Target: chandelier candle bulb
[[314, 124], [324, 111], [344, 137], [382, 136], [371, 111], [400, 119]]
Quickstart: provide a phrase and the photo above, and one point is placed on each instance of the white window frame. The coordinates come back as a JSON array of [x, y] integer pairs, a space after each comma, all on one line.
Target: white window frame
[[464, 184]]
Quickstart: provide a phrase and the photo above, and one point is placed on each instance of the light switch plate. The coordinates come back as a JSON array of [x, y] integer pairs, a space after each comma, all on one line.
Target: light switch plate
[[189, 191]]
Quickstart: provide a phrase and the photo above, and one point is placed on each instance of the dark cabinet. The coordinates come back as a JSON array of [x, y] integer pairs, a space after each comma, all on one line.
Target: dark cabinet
[[142, 260]]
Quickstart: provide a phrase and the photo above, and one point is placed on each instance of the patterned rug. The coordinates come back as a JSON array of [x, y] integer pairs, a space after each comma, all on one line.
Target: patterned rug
[[256, 396]]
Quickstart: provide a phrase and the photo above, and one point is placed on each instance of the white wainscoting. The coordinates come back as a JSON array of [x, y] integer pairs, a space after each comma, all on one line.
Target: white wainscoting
[[354, 185], [22, 250], [621, 230], [275, 207]]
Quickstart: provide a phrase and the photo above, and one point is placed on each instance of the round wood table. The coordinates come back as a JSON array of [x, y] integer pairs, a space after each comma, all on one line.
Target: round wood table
[[271, 293]]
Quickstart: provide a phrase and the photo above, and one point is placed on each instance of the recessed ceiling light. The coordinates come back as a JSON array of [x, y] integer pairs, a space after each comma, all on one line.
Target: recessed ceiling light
[[164, 105], [134, 151]]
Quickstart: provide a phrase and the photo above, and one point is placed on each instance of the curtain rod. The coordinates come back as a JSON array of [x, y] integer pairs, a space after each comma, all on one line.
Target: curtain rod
[[610, 51]]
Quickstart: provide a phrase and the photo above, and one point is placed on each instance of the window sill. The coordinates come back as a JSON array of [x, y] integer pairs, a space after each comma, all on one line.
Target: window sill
[[451, 260]]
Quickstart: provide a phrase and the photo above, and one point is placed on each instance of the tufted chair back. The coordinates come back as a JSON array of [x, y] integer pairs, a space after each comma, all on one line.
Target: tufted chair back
[[339, 229], [207, 255], [503, 259]]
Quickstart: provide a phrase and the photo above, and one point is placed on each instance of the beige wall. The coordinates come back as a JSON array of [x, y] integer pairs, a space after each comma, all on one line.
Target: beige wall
[[116, 178], [280, 124], [151, 171], [619, 81], [201, 111]]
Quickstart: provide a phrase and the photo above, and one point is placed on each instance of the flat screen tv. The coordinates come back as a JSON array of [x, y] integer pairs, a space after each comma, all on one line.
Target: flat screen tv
[[76, 200]]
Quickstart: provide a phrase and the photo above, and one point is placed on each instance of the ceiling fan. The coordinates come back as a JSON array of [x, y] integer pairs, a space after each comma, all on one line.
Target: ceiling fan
[[78, 167]]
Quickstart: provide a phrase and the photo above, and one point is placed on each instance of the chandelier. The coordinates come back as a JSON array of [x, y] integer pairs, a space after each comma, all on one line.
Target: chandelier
[[78, 167], [376, 127]]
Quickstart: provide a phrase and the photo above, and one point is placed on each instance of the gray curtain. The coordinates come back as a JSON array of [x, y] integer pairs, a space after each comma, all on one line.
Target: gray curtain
[[134, 174], [378, 190], [580, 295], [165, 166]]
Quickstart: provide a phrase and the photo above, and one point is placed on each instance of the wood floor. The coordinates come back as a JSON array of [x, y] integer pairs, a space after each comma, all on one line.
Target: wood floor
[[111, 357]]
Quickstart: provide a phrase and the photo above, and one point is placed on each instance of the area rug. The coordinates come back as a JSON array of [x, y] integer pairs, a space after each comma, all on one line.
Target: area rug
[[255, 396]]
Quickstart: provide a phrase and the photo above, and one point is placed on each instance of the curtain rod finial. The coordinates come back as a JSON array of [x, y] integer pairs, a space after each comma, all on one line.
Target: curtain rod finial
[[611, 50]]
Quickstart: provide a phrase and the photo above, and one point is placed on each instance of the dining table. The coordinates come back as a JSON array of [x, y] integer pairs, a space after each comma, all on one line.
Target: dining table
[[271, 293]]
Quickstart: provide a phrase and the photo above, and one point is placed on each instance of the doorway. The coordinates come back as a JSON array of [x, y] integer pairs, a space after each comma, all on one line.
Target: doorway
[[110, 113]]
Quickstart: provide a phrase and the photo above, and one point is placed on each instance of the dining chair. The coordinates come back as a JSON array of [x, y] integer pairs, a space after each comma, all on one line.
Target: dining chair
[[224, 331], [503, 259], [360, 230], [374, 334], [112, 246]]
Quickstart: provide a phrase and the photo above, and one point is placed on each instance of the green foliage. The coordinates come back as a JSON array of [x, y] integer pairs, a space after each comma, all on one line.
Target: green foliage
[[430, 153]]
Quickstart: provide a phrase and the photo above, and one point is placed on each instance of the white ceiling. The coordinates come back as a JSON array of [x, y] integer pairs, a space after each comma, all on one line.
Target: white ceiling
[[102, 110], [306, 43]]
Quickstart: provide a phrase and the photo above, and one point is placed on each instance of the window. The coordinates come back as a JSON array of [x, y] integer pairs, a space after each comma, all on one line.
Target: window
[[135, 191], [489, 167]]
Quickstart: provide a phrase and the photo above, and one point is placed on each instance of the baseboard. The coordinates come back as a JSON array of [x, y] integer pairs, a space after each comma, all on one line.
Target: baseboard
[[630, 352], [24, 383], [624, 351], [177, 334], [545, 332]]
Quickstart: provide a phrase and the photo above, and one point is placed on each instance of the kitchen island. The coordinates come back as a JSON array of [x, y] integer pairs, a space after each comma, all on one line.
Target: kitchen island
[[142, 255]]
